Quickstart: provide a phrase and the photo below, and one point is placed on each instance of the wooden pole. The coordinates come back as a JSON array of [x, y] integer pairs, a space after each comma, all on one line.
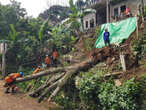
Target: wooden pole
[[137, 28], [122, 57], [107, 11], [142, 3], [3, 59]]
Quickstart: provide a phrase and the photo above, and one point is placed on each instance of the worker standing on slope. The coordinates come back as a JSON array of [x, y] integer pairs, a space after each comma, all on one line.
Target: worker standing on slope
[[106, 37], [10, 81], [47, 61], [55, 55]]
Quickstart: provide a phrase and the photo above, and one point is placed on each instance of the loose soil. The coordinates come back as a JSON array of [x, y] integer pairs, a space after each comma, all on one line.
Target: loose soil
[[20, 101]]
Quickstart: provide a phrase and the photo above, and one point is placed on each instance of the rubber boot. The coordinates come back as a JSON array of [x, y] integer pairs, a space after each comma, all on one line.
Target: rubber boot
[[7, 91], [13, 90]]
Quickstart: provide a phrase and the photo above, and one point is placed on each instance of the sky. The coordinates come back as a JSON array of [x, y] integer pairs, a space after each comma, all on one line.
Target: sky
[[35, 7]]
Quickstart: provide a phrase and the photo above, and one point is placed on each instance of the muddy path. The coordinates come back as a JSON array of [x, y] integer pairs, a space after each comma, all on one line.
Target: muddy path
[[18, 101]]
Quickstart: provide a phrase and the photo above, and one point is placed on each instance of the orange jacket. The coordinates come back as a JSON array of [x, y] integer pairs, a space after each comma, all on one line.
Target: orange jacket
[[47, 60], [36, 70], [11, 77], [55, 55]]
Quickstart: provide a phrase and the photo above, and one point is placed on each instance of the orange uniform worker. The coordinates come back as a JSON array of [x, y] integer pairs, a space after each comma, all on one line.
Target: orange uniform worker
[[37, 70], [47, 61], [10, 81], [55, 56]]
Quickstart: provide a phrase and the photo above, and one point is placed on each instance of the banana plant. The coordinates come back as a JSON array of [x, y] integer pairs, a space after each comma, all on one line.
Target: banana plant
[[40, 33], [13, 34]]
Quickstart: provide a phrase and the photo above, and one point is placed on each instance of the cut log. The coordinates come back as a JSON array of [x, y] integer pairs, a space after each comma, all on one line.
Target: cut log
[[84, 66], [95, 57], [59, 84], [40, 74], [113, 74], [68, 75], [30, 85], [49, 82], [54, 93], [54, 85]]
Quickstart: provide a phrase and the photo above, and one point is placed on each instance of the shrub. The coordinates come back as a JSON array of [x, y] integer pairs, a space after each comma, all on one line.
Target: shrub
[[139, 47], [99, 95], [124, 97], [88, 91], [142, 83], [65, 102], [68, 98]]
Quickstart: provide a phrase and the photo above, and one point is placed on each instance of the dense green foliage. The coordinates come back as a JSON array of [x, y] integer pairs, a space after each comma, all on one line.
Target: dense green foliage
[[142, 83], [88, 86], [140, 46], [104, 95], [30, 39]]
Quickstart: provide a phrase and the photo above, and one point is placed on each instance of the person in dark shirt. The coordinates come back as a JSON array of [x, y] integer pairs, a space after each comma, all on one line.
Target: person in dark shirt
[[106, 38]]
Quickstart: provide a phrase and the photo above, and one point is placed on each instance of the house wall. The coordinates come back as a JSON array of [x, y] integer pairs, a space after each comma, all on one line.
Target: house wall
[[132, 4], [144, 2], [88, 18], [90, 3]]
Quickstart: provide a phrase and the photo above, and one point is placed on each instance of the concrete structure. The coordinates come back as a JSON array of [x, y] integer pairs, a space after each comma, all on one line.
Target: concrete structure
[[91, 3], [89, 21], [117, 9]]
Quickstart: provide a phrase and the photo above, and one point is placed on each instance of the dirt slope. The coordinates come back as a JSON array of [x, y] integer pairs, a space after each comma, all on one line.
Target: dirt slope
[[17, 102]]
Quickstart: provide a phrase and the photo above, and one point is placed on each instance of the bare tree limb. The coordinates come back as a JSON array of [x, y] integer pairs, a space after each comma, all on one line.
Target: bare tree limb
[[52, 80]]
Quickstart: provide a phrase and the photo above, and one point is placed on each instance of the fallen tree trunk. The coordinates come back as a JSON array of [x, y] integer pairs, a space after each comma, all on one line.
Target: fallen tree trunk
[[40, 74], [68, 75], [95, 57], [113, 74], [84, 66], [28, 88], [54, 85], [43, 73], [49, 82]]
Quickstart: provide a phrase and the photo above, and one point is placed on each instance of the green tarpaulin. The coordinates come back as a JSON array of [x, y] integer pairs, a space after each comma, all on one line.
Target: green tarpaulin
[[118, 31]]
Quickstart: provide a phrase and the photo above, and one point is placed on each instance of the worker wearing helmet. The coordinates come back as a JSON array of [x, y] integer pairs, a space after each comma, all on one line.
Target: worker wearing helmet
[[10, 81], [47, 61], [37, 70]]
